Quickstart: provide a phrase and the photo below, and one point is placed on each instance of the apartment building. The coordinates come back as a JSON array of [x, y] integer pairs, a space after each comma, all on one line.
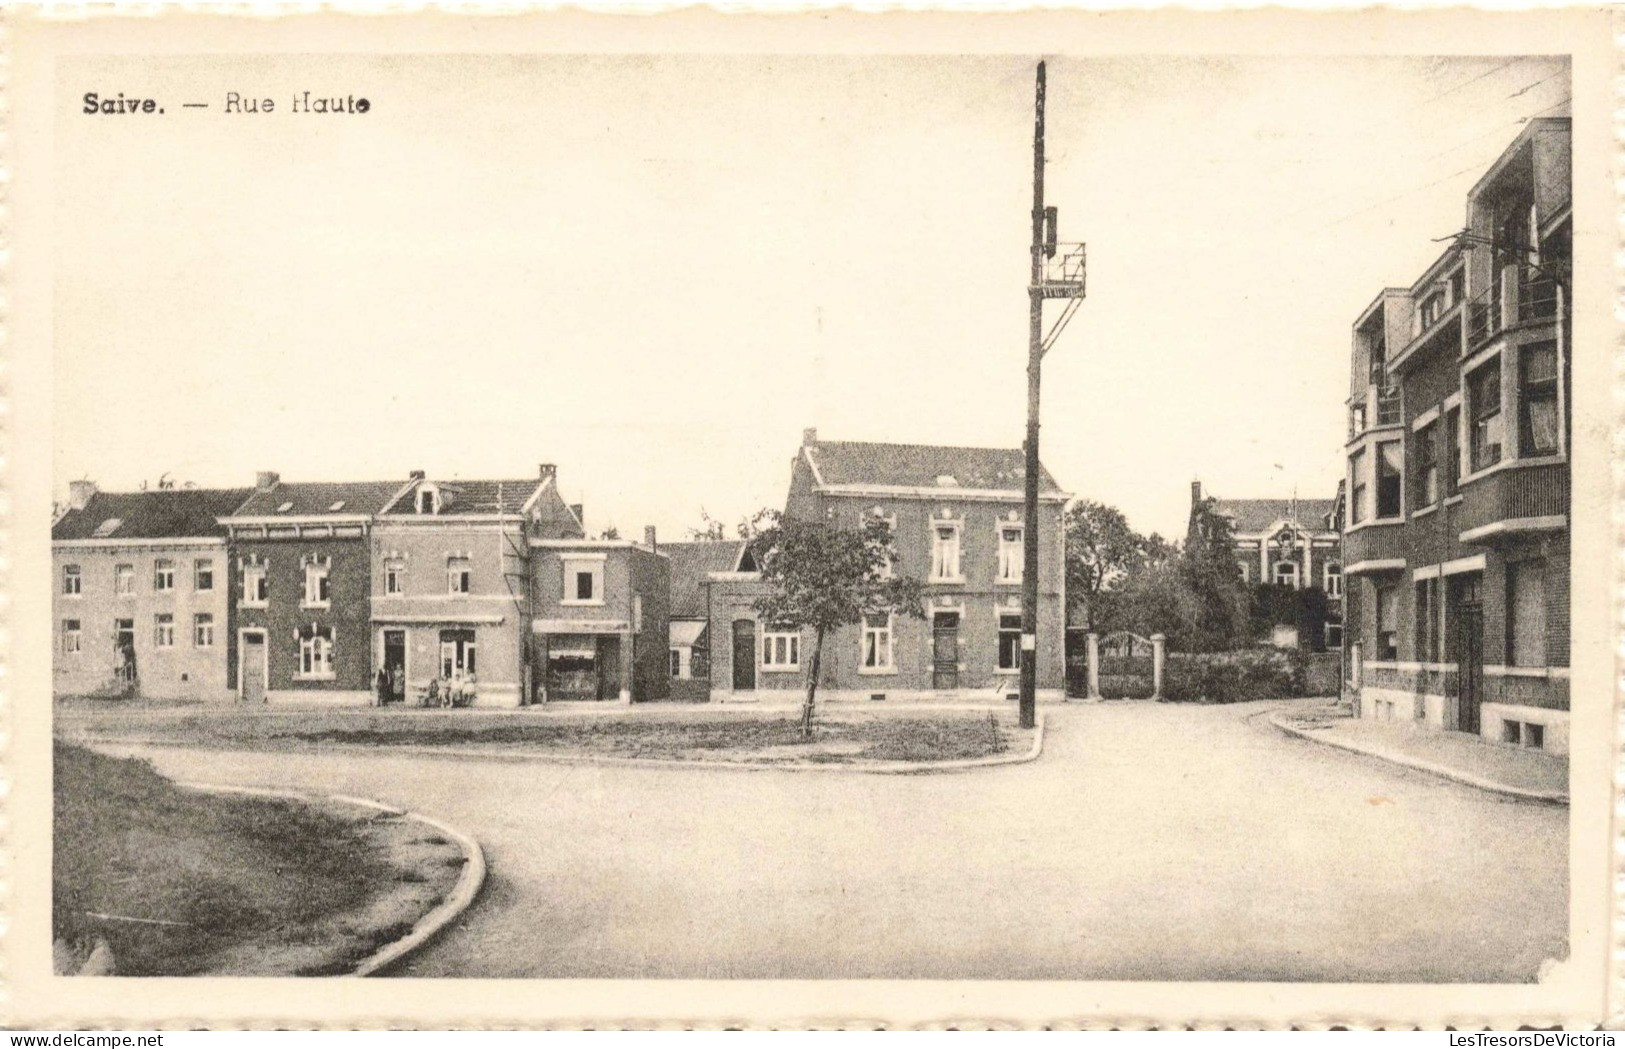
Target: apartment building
[[1456, 542]]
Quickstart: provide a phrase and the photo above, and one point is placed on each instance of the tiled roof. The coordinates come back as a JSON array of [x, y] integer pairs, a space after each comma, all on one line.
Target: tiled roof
[[922, 465], [476, 497], [159, 514], [1255, 515], [305, 499], [690, 562]]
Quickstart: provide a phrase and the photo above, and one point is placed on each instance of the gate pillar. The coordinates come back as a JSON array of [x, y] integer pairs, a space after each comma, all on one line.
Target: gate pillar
[[1159, 655], [1094, 665]]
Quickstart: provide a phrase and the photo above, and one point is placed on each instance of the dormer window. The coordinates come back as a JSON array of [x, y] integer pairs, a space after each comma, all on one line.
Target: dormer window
[[336, 507], [107, 528], [428, 501], [947, 481], [284, 508]]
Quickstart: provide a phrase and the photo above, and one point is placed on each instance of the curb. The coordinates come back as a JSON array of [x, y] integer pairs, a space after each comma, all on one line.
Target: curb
[[1432, 768], [885, 768], [462, 894]]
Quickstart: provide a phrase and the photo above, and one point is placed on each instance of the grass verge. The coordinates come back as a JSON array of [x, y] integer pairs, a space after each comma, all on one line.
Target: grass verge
[[179, 882]]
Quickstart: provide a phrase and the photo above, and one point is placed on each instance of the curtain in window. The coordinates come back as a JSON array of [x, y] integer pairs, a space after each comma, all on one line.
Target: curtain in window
[[1527, 629]]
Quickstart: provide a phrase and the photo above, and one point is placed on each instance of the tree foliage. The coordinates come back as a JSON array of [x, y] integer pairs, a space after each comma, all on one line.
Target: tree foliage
[[824, 577], [1101, 549], [714, 530]]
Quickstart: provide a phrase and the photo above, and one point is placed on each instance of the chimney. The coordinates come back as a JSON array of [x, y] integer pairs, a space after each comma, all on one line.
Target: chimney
[[266, 480], [79, 493], [1196, 494], [547, 470], [649, 538], [809, 436], [416, 475]]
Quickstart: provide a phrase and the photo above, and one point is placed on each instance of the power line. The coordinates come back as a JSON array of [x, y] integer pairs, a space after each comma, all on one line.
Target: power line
[[1476, 79]]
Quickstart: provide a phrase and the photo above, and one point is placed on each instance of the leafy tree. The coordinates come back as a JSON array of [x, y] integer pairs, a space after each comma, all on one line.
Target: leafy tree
[[610, 533], [1221, 613], [713, 530], [824, 577], [1101, 549]]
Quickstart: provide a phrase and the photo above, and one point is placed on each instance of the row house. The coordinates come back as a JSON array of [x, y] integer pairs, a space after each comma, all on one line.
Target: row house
[[142, 593], [450, 589], [600, 624], [1457, 531], [692, 566], [302, 567], [957, 523], [1288, 542]]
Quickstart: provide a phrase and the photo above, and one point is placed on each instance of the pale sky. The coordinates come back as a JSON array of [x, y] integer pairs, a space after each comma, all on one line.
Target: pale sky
[[655, 272]]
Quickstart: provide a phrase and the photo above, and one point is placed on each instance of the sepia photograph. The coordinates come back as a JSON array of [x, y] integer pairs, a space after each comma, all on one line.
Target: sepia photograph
[[1064, 515]]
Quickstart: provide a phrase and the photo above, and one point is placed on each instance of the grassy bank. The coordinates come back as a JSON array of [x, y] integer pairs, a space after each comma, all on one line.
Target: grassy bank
[[766, 736], [177, 881]]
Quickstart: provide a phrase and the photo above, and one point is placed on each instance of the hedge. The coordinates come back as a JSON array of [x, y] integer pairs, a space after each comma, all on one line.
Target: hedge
[[1235, 676]]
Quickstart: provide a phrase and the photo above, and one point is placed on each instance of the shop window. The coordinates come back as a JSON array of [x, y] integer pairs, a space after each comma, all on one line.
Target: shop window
[[459, 655]]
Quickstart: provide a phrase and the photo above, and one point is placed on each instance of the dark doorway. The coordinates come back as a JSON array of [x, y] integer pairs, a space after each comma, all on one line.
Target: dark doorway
[[1466, 607], [945, 650], [572, 668], [744, 655], [124, 648], [253, 666], [395, 664], [609, 668]]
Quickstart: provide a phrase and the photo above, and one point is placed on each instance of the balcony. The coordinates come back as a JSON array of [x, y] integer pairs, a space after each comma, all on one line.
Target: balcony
[[1516, 301]]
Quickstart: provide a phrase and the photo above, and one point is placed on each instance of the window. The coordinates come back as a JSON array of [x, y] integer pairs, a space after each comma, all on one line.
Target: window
[[316, 652], [1246, 567], [1332, 579], [394, 578], [1390, 471], [1427, 644], [583, 583], [1538, 422], [70, 637], [1359, 491], [459, 575], [676, 663], [163, 632], [1387, 623], [203, 630], [1484, 390], [1009, 640], [782, 651], [1286, 574], [1427, 464], [1334, 635], [72, 584], [317, 592], [124, 580], [1357, 420], [1452, 450], [945, 552], [428, 501], [163, 576], [877, 646], [256, 588], [1433, 307], [1011, 553], [106, 528], [1526, 613]]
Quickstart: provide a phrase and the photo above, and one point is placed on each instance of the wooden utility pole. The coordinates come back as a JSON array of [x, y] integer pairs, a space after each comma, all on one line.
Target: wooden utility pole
[[1035, 355]]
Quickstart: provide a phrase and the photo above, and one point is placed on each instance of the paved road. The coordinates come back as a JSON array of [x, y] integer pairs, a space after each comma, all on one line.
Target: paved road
[[1151, 842]]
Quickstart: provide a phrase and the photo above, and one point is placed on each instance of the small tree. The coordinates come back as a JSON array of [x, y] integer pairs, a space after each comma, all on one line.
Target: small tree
[[1101, 549], [825, 577], [1222, 606]]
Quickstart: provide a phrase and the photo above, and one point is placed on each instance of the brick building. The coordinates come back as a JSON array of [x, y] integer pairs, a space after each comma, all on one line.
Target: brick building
[[141, 600], [956, 518], [1457, 535]]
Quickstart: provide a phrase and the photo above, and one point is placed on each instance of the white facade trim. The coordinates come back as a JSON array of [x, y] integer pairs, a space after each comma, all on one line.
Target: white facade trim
[[1425, 418], [115, 543], [1475, 563], [1550, 523], [1380, 564]]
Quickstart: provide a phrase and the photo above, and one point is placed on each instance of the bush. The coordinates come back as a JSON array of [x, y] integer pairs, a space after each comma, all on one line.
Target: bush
[[1235, 676]]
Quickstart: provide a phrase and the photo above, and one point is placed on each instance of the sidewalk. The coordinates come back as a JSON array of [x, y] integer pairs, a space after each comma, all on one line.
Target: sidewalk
[[1514, 771]]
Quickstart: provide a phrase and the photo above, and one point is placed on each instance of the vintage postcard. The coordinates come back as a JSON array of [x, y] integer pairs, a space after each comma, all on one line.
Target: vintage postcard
[[1064, 519]]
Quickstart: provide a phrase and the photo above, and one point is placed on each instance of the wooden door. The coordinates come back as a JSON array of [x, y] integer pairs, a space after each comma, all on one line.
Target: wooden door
[[744, 638], [253, 667], [945, 650], [609, 668], [1470, 666]]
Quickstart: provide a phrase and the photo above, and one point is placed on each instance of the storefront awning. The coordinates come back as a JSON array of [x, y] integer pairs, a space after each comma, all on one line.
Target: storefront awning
[[685, 633]]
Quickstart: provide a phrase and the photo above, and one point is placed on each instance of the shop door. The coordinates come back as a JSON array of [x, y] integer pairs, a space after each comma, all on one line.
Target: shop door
[[744, 655], [124, 648], [395, 664], [609, 668], [945, 650], [572, 669]]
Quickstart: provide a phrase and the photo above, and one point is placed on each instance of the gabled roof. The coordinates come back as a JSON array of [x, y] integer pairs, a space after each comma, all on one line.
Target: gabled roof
[[923, 466], [690, 564], [471, 497], [318, 498], [161, 514], [1251, 516]]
